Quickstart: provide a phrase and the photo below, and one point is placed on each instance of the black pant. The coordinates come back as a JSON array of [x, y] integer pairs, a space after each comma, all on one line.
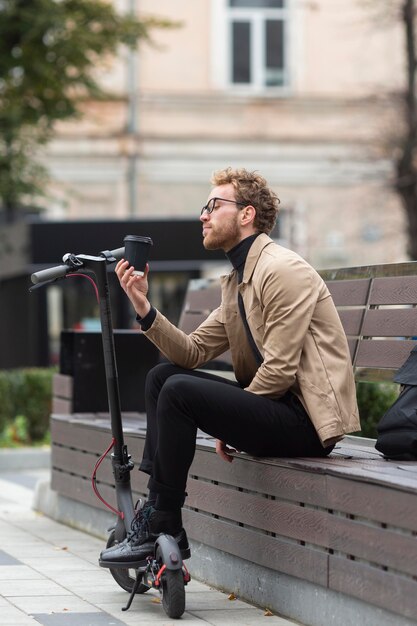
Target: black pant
[[179, 401]]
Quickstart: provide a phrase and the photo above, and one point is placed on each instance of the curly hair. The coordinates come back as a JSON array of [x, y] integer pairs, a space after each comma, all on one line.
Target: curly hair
[[251, 188]]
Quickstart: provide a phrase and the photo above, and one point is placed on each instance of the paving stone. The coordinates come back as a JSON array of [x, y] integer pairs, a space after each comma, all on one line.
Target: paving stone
[[44, 587], [53, 604], [7, 559], [51, 564], [35, 550], [18, 573], [101, 577], [78, 619]]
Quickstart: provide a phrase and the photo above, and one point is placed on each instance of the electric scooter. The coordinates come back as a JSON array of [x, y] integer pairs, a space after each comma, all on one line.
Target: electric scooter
[[164, 569]]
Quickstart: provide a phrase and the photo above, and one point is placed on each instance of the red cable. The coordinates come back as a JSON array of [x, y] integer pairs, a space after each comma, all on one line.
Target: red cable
[[159, 574], [100, 460], [88, 278], [94, 483]]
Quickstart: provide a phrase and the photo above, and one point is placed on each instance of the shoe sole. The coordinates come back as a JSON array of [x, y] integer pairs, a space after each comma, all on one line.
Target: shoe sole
[[185, 554]]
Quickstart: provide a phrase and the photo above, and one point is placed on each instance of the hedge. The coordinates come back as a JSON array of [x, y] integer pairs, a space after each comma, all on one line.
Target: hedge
[[27, 393], [373, 401]]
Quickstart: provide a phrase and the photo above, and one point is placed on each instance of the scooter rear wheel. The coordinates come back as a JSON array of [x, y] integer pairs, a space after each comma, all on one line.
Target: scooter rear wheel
[[125, 578], [172, 590]]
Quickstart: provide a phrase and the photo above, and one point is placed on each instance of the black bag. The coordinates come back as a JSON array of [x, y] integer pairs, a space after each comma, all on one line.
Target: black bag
[[397, 429]]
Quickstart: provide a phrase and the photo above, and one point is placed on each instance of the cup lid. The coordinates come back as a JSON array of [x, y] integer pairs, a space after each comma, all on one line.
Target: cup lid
[[138, 238]]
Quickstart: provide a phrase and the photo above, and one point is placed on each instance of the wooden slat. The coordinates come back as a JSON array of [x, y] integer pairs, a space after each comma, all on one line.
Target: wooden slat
[[349, 292], [381, 353], [206, 298], [390, 323], [374, 502], [368, 473], [79, 489], [388, 590], [80, 437], [81, 464], [271, 552], [265, 476], [90, 433], [61, 407], [62, 386], [351, 320], [377, 545], [394, 290]]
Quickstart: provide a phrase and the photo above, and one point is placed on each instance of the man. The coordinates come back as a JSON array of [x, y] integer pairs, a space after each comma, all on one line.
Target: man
[[295, 392]]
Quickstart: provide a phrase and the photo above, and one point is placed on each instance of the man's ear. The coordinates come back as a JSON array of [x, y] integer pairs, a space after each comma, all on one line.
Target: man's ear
[[247, 215]]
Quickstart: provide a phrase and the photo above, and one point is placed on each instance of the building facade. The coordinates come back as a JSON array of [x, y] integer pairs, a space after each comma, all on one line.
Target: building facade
[[297, 89]]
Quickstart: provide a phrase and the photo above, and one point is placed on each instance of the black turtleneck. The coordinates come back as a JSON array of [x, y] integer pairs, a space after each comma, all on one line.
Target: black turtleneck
[[237, 255]]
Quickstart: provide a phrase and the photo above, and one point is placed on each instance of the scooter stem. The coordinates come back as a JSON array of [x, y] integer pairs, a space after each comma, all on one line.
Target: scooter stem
[[122, 465]]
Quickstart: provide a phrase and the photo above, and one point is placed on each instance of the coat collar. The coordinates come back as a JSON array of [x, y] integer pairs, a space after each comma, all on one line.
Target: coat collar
[[253, 255]]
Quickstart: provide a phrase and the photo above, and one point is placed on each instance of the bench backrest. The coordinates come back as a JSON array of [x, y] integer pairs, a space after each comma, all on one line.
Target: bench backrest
[[376, 304]]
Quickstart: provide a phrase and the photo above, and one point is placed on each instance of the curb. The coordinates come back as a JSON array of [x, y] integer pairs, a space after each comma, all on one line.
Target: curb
[[12, 459]]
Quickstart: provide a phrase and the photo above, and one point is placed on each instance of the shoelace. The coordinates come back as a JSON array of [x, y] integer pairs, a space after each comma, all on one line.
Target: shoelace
[[140, 523]]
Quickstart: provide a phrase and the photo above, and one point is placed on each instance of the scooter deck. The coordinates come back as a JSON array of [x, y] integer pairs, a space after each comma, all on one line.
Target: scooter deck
[[185, 554]]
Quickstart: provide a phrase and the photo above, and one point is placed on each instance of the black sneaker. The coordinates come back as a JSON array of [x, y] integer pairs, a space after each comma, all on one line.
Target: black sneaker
[[147, 525]]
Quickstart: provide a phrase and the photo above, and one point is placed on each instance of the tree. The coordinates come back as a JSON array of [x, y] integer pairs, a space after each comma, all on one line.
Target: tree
[[406, 159], [49, 53]]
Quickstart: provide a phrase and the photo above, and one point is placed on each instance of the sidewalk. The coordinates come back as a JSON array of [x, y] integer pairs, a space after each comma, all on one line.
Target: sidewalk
[[49, 575]]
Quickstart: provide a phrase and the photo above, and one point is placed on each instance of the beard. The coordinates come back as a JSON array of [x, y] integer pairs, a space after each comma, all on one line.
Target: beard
[[222, 238]]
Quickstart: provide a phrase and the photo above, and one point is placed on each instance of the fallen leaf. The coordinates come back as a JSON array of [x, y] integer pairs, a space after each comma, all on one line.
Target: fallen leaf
[[231, 596], [156, 601], [268, 613]]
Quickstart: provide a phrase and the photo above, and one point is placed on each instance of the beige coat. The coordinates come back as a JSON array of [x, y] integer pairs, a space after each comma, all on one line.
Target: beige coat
[[296, 328]]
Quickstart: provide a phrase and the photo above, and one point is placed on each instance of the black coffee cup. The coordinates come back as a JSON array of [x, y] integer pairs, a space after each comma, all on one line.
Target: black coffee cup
[[137, 250]]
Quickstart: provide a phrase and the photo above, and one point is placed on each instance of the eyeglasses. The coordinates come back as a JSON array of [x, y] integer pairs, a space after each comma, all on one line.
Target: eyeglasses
[[211, 205]]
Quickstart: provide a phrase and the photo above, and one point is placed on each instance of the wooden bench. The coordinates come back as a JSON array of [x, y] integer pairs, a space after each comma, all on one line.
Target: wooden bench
[[324, 541]]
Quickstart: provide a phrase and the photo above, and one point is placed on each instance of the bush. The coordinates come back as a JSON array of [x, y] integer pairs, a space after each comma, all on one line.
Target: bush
[[373, 400], [6, 400], [16, 433], [26, 393]]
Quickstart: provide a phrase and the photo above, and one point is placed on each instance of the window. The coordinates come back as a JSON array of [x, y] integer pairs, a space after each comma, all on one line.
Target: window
[[256, 32]]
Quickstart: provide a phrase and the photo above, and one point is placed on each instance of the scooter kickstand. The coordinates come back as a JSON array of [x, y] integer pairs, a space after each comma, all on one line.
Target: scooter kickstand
[[139, 575]]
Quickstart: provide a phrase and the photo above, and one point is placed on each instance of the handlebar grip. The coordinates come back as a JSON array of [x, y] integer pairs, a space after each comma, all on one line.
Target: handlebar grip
[[51, 273]]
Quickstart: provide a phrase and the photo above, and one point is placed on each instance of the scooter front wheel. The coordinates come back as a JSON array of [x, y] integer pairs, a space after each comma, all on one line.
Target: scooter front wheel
[[125, 578]]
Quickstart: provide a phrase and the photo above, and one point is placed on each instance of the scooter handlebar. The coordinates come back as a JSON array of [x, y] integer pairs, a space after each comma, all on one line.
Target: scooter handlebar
[[59, 271], [51, 273], [118, 253]]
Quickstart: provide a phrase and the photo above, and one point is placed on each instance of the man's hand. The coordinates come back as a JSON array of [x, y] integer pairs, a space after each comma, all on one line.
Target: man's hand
[[224, 451], [136, 287]]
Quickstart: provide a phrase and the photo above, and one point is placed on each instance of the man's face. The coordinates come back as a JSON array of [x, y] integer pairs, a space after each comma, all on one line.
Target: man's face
[[221, 227]]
